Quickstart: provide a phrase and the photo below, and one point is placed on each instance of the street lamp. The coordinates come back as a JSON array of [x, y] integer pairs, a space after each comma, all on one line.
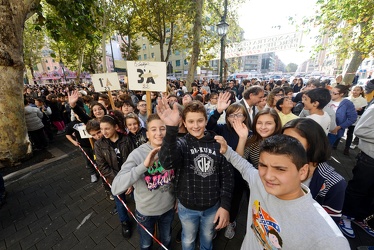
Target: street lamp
[[222, 28], [63, 70]]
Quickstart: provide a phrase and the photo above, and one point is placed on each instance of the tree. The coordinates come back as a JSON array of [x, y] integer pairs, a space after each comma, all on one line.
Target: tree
[[291, 67], [33, 37], [349, 25], [123, 19], [14, 144], [75, 28], [207, 15], [162, 22]]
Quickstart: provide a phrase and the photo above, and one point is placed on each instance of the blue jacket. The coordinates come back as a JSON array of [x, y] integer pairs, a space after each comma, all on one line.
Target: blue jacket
[[346, 115]]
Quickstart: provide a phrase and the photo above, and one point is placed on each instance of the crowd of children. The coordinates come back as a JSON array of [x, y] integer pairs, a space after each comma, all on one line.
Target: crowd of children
[[201, 153]]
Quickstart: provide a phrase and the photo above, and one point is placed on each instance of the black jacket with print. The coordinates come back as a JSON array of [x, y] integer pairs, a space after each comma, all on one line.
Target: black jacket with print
[[203, 176], [106, 158]]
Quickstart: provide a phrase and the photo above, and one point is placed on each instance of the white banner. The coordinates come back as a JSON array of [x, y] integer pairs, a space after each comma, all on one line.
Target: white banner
[[105, 82], [263, 45], [146, 76]]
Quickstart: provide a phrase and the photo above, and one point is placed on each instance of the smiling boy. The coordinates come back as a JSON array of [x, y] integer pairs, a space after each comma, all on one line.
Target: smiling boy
[[284, 214], [204, 179]]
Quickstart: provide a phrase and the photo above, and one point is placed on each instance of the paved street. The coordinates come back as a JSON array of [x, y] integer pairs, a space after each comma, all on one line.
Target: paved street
[[53, 205]]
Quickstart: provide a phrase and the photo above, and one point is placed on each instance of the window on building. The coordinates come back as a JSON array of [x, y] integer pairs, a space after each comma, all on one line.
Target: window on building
[[178, 63], [152, 55], [48, 68], [145, 56], [139, 58], [53, 60], [144, 46], [185, 62], [177, 53], [46, 61], [55, 67]]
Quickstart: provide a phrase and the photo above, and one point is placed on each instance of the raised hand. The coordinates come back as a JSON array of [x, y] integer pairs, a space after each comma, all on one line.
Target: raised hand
[[223, 101], [170, 116], [73, 98], [151, 157], [222, 142], [240, 128]]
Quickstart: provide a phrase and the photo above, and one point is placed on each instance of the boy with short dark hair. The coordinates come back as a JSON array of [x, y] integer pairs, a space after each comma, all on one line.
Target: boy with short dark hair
[[204, 179], [314, 101], [284, 214]]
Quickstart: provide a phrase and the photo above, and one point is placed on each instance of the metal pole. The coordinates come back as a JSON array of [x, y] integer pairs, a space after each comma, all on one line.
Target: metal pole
[[111, 48], [222, 59]]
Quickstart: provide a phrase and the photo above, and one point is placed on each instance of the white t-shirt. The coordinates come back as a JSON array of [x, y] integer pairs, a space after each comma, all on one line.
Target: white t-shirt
[[333, 105], [323, 120]]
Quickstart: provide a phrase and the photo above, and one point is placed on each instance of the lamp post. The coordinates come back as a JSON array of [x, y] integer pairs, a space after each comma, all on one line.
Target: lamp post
[[222, 28], [63, 70]]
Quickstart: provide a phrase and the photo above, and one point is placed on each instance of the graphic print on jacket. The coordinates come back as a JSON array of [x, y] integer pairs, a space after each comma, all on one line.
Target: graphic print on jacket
[[157, 177], [203, 163]]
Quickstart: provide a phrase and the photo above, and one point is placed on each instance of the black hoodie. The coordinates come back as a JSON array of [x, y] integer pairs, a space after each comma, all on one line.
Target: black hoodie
[[203, 176]]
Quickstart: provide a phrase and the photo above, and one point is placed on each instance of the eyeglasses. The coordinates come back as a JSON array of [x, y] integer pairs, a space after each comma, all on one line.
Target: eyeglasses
[[142, 105], [236, 115]]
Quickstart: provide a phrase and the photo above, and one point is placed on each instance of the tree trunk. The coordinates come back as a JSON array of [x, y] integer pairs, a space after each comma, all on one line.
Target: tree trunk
[[14, 141], [352, 67], [195, 44]]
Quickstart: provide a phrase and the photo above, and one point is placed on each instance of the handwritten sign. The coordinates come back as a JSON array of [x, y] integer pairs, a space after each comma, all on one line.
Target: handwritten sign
[[81, 128], [105, 82], [146, 76]]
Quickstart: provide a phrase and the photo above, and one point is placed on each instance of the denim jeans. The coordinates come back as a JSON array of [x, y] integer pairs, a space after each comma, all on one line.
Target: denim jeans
[[122, 212], [333, 139], [163, 221], [192, 221]]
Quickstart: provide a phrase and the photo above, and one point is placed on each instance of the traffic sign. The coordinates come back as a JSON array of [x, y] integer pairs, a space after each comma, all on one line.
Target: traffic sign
[[146, 76]]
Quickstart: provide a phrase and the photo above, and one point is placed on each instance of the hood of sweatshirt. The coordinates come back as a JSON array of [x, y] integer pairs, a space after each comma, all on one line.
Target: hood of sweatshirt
[[208, 137]]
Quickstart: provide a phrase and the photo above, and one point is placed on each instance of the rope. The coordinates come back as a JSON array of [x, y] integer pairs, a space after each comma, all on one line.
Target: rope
[[133, 216]]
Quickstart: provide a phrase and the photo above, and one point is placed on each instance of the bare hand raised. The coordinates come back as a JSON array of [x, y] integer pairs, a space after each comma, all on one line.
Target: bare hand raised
[[73, 98], [223, 101], [240, 128], [151, 157], [170, 116]]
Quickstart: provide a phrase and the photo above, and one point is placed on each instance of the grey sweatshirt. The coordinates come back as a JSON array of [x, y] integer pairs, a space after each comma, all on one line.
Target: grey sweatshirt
[[364, 130], [153, 187], [287, 224]]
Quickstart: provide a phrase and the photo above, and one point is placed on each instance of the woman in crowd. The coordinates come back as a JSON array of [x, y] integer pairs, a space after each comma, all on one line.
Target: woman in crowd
[[136, 132], [265, 124], [326, 185], [234, 113], [275, 95], [358, 99], [154, 200], [346, 114], [298, 86]]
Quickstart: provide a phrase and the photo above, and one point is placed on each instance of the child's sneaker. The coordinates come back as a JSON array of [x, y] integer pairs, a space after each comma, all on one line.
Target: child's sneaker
[[230, 230], [365, 227], [346, 227]]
